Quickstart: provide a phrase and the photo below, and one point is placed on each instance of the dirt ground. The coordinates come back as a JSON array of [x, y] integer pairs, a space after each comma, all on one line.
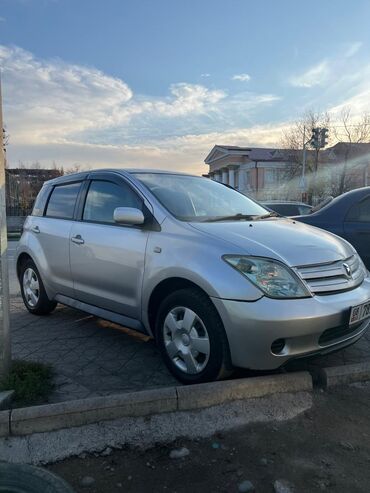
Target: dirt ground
[[325, 449]]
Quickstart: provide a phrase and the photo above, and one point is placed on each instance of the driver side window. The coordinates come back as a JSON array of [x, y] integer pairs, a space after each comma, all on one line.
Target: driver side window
[[104, 196]]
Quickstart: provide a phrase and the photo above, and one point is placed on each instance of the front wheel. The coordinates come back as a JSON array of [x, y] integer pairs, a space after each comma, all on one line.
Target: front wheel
[[191, 337], [33, 291]]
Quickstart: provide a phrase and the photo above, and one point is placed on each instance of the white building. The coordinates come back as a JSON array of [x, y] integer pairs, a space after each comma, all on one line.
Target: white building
[[267, 173], [256, 171]]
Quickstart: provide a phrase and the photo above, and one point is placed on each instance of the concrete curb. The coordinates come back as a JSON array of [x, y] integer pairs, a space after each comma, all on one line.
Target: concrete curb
[[215, 393], [52, 417], [6, 398], [4, 423], [144, 432], [344, 374]]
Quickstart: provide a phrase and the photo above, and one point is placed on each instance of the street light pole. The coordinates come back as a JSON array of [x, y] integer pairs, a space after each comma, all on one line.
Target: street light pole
[[5, 355]]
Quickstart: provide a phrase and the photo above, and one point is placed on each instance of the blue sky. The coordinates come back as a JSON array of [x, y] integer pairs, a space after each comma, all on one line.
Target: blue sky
[[158, 83]]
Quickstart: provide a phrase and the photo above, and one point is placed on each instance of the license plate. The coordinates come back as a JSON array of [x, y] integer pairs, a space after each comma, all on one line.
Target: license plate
[[359, 312]]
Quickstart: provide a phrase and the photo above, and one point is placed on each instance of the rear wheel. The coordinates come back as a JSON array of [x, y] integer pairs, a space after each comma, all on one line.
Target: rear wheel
[[33, 291], [191, 337]]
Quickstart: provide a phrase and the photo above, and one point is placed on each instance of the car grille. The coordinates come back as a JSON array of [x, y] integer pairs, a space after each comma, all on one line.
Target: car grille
[[332, 277]]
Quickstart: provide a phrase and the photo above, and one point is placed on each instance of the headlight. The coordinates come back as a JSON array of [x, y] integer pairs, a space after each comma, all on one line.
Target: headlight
[[272, 277]]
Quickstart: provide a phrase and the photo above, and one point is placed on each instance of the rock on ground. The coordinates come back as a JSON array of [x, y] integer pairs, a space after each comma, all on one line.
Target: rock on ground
[[246, 487], [179, 453], [87, 481], [283, 486]]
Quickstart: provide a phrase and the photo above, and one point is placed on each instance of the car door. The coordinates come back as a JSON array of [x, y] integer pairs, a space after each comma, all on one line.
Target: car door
[[107, 259], [50, 236], [357, 228]]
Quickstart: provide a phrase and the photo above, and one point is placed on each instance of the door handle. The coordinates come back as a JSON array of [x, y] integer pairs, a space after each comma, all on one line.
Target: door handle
[[35, 229], [78, 240]]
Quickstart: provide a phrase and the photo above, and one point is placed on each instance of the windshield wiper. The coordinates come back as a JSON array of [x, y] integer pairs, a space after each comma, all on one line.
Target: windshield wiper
[[269, 214], [235, 217]]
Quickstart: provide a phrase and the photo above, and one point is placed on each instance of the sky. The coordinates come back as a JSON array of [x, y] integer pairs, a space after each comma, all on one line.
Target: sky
[[157, 83]]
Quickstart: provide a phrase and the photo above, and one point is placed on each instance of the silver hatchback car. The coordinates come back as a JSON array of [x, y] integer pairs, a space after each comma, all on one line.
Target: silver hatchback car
[[213, 276]]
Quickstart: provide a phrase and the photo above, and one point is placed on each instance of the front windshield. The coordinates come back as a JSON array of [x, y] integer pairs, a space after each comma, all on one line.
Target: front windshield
[[193, 198]]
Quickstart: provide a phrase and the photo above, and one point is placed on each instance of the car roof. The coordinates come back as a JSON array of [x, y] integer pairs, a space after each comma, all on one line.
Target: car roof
[[285, 202], [123, 171], [342, 203]]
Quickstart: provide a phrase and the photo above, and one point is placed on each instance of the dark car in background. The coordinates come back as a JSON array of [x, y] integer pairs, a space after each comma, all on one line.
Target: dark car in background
[[288, 208], [347, 216]]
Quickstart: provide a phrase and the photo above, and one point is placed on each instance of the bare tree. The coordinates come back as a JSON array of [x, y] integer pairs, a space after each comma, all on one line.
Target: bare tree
[[75, 168], [294, 139], [5, 145], [350, 131]]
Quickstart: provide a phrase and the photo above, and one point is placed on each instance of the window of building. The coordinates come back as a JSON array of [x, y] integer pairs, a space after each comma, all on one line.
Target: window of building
[[249, 179], [271, 177], [103, 197], [63, 200]]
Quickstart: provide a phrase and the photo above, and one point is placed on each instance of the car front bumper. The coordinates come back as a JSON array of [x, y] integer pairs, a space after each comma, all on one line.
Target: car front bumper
[[316, 325]]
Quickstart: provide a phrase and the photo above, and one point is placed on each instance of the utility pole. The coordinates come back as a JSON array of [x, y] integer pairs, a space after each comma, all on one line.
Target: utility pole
[[303, 184], [5, 354], [318, 141]]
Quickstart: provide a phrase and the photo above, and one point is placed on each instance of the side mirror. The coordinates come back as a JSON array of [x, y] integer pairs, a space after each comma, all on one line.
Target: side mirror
[[128, 215]]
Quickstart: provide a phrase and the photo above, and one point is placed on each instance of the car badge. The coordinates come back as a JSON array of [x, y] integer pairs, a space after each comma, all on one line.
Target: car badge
[[347, 269]]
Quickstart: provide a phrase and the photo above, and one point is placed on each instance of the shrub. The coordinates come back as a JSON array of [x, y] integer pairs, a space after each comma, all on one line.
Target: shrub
[[31, 381]]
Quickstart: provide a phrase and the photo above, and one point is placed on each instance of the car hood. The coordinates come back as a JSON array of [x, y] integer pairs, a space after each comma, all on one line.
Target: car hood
[[283, 239]]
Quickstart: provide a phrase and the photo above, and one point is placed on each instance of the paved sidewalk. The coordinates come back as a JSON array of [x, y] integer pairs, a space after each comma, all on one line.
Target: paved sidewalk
[[93, 357]]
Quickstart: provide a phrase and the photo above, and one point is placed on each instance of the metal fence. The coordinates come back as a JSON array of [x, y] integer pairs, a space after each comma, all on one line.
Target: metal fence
[[22, 187]]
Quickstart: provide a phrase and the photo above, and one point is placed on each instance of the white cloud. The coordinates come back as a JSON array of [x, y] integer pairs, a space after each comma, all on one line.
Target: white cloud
[[352, 49], [314, 76], [51, 100], [359, 104], [55, 101], [68, 113], [205, 75], [184, 153], [187, 98], [241, 77]]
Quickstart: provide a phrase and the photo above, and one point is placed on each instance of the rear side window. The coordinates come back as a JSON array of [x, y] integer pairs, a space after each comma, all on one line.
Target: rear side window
[[360, 211], [40, 202], [103, 197], [62, 201]]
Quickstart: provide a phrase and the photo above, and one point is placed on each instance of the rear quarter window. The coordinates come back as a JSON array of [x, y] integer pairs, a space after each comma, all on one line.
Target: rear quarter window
[[360, 212], [62, 201], [40, 202]]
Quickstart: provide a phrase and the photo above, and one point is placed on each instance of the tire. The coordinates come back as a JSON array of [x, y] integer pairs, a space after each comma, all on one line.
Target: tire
[[191, 337], [33, 291], [22, 478]]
